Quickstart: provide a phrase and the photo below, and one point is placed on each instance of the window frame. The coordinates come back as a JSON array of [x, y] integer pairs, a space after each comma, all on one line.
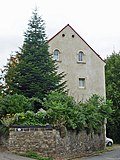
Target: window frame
[[82, 82], [81, 57], [57, 56]]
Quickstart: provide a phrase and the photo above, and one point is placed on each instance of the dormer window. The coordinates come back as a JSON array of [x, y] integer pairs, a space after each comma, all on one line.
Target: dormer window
[[56, 55]]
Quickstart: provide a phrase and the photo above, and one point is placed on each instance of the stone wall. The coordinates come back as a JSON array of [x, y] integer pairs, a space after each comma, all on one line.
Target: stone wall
[[54, 143]]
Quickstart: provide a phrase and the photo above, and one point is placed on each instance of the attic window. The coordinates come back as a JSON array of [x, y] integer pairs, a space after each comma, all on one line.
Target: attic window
[[73, 36], [63, 35], [56, 54], [81, 57]]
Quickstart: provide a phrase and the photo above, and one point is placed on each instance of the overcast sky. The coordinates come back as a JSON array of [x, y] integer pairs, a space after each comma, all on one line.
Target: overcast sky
[[96, 21]]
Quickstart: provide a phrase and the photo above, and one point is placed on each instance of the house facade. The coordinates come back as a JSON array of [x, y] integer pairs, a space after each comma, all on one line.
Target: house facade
[[83, 67]]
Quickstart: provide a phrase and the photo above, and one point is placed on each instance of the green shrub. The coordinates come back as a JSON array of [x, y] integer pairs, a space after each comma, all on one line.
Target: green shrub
[[11, 104], [60, 108], [63, 110], [31, 118], [9, 120]]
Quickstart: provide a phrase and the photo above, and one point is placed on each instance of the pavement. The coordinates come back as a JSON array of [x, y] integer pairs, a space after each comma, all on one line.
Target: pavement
[[113, 154], [5, 155]]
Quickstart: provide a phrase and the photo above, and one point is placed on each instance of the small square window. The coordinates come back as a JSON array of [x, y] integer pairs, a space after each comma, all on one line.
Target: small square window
[[82, 82]]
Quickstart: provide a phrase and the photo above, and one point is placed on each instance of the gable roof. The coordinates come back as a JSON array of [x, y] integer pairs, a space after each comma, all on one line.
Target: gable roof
[[78, 36]]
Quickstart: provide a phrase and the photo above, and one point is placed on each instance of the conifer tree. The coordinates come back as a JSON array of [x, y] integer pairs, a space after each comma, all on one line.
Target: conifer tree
[[35, 73]]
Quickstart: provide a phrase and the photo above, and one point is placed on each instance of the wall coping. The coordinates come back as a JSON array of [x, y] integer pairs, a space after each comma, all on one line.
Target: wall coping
[[32, 126]]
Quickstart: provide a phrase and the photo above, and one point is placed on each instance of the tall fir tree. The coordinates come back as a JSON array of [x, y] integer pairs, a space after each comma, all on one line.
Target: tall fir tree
[[34, 73]]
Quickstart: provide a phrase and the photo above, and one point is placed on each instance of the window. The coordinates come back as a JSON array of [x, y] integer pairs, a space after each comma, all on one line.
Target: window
[[80, 56], [82, 82], [56, 55]]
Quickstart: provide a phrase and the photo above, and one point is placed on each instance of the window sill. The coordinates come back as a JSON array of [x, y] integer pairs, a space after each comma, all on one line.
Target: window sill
[[81, 87], [81, 62], [57, 60]]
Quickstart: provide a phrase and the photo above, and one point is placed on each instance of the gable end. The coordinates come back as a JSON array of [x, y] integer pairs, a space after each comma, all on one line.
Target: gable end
[[80, 38]]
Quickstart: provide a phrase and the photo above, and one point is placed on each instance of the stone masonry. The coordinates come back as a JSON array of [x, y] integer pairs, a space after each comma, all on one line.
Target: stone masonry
[[59, 144]]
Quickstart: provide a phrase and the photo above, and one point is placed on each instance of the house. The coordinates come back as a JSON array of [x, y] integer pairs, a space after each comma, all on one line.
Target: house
[[83, 67]]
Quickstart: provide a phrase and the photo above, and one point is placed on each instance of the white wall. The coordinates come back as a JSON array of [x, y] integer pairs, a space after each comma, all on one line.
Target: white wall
[[92, 70]]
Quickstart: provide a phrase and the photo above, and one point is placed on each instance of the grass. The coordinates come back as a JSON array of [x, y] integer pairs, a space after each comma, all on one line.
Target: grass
[[34, 155]]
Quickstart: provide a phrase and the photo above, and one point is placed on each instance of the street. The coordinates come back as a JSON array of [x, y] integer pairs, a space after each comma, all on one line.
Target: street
[[10, 156], [111, 155]]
